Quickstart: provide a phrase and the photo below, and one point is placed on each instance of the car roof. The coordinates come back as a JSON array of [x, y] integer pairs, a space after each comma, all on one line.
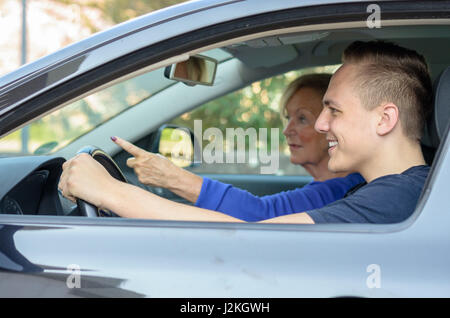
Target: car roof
[[229, 10]]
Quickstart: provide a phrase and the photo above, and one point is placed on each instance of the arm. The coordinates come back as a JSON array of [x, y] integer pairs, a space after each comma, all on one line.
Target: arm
[[243, 205], [85, 178], [133, 202], [295, 218], [156, 170]]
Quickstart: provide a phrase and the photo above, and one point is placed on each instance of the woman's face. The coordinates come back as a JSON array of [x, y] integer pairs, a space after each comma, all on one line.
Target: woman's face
[[307, 146]]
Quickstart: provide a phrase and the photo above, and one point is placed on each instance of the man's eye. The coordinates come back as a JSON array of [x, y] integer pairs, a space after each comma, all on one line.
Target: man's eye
[[333, 110]]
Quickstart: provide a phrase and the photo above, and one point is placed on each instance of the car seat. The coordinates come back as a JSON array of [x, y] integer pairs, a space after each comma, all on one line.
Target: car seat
[[437, 123]]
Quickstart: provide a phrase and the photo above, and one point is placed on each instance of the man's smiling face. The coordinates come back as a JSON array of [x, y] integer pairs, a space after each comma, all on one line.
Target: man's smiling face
[[349, 127]]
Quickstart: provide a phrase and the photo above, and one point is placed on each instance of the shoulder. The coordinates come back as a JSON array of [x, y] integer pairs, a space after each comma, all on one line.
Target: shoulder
[[411, 179], [406, 185], [388, 199]]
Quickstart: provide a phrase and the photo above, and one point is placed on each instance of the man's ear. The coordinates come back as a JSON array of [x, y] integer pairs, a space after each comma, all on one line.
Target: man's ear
[[388, 118]]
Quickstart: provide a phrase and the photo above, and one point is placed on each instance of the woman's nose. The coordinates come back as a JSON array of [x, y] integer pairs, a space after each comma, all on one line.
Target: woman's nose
[[289, 128]]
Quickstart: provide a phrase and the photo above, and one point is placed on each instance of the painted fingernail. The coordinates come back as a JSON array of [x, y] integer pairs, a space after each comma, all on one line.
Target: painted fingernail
[[113, 138]]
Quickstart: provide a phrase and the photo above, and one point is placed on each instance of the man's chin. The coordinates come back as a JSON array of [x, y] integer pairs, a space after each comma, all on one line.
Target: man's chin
[[335, 167]]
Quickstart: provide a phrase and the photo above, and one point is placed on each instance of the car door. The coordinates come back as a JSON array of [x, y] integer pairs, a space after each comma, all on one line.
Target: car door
[[69, 256]]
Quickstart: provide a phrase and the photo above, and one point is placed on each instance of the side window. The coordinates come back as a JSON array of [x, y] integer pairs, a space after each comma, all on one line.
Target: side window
[[242, 132], [59, 128]]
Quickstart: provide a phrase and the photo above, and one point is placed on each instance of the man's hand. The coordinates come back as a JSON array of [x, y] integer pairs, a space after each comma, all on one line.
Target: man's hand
[[83, 177]]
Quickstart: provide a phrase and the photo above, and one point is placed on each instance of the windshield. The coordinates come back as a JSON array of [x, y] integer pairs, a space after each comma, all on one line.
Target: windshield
[[61, 127]]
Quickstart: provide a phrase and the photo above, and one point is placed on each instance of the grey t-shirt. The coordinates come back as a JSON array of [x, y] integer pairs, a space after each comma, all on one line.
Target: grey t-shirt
[[387, 199]]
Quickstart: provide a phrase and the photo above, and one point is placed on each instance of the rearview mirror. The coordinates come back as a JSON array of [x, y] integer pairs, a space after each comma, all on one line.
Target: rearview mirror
[[198, 69]]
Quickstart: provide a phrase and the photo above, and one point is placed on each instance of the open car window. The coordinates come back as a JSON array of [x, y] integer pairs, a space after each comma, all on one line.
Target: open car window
[[251, 76], [56, 130], [250, 108]]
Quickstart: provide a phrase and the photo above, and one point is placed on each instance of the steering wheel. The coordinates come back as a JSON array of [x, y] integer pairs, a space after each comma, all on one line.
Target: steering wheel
[[85, 208]]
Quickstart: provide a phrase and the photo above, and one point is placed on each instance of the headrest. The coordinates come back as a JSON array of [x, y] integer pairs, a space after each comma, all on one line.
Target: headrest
[[440, 117]]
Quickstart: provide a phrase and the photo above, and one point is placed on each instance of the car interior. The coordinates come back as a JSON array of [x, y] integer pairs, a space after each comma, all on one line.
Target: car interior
[[240, 63]]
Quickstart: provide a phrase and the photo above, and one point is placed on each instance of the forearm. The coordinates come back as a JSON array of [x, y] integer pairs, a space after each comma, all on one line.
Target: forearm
[[133, 202], [186, 184], [296, 218], [244, 205]]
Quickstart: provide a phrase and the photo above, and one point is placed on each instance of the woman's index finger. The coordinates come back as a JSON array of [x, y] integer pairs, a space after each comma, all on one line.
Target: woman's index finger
[[128, 146]]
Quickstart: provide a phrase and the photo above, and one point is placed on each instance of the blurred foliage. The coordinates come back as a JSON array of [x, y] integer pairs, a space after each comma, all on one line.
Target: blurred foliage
[[118, 11]]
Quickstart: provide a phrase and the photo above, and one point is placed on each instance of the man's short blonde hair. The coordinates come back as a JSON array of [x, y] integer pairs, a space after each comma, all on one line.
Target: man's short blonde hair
[[390, 73]]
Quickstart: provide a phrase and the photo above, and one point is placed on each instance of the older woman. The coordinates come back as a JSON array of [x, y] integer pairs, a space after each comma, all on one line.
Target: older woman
[[301, 104]]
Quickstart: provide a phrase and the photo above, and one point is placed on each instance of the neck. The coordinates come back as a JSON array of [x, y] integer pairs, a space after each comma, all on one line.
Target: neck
[[394, 160]]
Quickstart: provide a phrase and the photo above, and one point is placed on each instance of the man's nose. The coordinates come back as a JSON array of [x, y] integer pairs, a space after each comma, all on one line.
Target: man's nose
[[322, 124]]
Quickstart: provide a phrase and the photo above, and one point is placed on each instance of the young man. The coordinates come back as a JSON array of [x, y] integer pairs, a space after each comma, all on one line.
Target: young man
[[374, 111], [373, 116]]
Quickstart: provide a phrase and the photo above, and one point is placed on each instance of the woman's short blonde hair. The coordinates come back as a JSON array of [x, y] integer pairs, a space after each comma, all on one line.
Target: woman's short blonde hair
[[318, 82]]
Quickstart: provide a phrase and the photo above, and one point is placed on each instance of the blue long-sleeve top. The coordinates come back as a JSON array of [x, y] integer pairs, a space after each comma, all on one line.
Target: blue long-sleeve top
[[241, 204]]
